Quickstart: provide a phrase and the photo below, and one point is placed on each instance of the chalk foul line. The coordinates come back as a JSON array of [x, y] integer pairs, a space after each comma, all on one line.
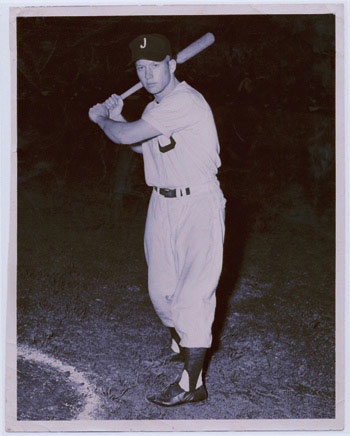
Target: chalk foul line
[[83, 386]]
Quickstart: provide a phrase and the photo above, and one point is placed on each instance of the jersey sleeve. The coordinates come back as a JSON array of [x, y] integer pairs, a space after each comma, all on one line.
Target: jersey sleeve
[[177, 112]]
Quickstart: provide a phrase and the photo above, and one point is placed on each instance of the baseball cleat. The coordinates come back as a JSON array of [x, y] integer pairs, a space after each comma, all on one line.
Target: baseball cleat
[[174, 395]]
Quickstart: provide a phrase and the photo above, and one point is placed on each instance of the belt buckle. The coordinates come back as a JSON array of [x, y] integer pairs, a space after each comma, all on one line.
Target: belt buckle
[[168, 193]]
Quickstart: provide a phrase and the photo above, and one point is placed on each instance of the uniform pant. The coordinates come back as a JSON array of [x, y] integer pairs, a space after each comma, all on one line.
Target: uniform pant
[[184, 249]]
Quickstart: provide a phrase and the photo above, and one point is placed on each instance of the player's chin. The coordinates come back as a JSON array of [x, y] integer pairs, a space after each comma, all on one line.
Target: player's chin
[[152, 88]]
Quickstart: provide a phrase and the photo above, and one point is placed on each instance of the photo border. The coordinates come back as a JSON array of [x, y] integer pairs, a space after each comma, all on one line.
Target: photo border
[[12, 424]]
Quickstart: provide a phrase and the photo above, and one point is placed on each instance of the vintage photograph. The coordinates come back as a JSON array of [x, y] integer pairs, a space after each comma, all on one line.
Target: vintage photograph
[[176, 217]]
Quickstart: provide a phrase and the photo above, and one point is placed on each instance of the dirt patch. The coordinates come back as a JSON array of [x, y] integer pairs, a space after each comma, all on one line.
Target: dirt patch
[[45, 393], [60, 379]]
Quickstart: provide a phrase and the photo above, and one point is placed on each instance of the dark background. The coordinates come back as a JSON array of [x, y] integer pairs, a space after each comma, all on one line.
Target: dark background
[[268, 78]]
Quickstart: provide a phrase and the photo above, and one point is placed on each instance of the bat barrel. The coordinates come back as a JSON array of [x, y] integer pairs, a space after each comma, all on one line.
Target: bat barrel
[[195, 48]]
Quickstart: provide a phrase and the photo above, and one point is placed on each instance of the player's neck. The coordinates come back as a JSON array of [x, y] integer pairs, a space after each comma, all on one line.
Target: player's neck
[[167, 90]]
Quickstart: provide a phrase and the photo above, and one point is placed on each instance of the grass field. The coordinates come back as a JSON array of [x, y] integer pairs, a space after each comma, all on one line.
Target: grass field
[[82, 300]]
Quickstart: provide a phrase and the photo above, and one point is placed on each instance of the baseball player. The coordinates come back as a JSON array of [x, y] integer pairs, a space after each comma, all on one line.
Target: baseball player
[[185, 222]]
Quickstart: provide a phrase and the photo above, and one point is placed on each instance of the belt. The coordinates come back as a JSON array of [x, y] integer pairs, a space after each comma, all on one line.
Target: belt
[[172, 193]]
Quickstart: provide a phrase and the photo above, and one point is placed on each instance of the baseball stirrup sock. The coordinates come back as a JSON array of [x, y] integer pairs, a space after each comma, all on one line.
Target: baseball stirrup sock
[[184, 383], [191, 378], [175, 340]]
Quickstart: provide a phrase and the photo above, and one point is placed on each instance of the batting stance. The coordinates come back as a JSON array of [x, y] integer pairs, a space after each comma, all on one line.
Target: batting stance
[[185, 222]]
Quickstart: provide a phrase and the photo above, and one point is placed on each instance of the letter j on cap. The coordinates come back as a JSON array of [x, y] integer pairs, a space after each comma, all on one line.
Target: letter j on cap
[[144, 43]]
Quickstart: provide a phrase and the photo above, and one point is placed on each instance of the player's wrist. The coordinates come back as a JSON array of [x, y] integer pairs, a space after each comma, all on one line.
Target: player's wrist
[[116, 117], [101, 121]]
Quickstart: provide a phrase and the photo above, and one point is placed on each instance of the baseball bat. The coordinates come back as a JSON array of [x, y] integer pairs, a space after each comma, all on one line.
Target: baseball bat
[[183, 56]]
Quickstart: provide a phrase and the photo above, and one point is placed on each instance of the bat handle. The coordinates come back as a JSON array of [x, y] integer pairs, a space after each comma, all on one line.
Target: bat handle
[[131, 90]]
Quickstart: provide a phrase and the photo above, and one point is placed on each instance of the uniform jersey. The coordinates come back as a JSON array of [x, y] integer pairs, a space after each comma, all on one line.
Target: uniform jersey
[[187, 152]]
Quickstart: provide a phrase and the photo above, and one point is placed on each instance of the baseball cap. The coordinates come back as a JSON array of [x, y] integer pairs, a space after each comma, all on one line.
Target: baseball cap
[[150, 46]]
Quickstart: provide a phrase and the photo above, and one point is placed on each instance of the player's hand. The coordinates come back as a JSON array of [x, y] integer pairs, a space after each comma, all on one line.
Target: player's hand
[[114, 104], [98, 111]]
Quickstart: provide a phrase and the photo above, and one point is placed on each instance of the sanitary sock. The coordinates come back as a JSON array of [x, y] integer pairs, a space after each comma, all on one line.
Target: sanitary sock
[[175, 340]]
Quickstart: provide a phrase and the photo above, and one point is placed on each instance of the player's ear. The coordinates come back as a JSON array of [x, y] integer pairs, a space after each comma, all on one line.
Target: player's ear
[[172, 65]]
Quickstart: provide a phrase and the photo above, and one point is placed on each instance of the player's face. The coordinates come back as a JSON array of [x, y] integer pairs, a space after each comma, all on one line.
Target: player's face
[[154, 76]]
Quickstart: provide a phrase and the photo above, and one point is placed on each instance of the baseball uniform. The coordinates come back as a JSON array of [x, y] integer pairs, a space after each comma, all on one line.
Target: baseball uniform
[[184, 234]]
